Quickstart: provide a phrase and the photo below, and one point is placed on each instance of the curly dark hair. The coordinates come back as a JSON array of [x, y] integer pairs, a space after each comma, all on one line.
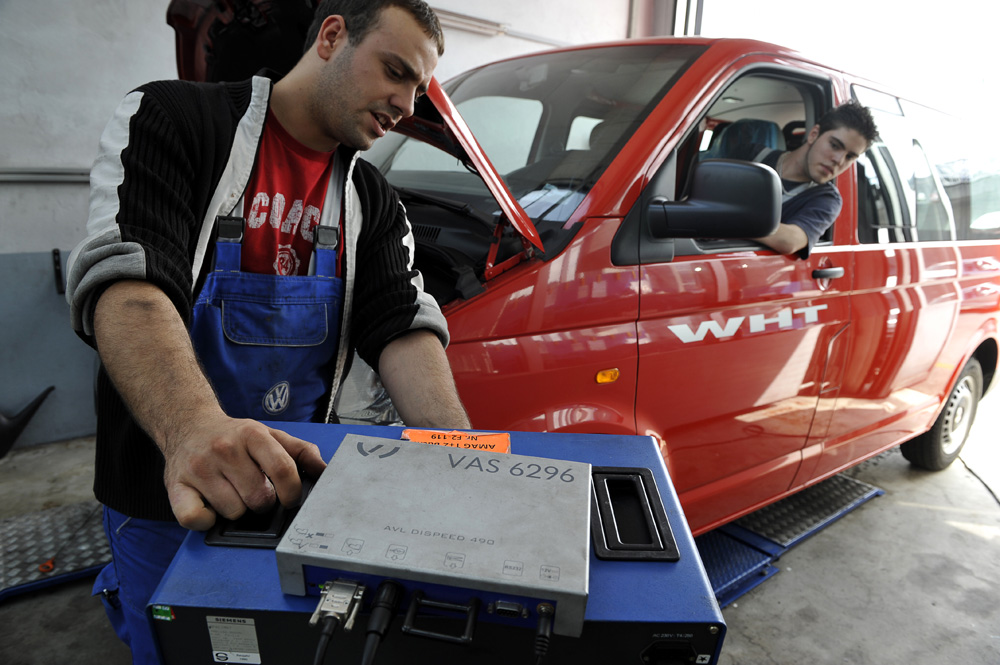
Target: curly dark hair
[[851, 115], [362, 16]]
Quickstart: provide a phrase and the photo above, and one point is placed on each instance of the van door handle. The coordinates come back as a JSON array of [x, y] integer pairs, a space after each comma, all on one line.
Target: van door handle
[[828, 273]]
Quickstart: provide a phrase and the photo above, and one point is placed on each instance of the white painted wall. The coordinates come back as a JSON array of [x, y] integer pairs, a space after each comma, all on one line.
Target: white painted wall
[[66, 64], [549, 22]]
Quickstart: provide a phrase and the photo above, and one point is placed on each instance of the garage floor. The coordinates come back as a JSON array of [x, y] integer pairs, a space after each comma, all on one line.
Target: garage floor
[[909, 577]]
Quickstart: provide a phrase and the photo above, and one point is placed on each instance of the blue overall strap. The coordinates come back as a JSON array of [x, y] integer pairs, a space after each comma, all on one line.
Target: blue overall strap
[[326, 240], [228, 244]]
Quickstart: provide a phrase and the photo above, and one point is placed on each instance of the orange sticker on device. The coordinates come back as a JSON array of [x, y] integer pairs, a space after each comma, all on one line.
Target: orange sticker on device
[[492, 443]]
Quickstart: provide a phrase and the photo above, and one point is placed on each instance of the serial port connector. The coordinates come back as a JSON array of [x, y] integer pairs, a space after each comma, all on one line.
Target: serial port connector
[[507, 608]]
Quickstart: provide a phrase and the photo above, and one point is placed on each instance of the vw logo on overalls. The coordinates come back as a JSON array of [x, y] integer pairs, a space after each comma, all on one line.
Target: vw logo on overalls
[[276, 399]]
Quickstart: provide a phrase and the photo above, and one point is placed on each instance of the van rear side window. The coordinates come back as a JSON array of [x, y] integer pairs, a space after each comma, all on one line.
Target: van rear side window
[[925, 180]]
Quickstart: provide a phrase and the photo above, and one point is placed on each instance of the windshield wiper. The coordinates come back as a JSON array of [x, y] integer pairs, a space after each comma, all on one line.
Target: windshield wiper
[[455, 206]]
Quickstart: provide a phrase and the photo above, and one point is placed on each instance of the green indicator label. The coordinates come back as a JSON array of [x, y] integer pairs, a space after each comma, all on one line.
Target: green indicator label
[[163, 613]]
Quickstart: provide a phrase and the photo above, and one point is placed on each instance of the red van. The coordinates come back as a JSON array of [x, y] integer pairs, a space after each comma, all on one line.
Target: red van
[[590, 255]]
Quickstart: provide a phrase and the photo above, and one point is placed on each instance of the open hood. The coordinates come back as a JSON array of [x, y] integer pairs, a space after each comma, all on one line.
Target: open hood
[[436, 121]]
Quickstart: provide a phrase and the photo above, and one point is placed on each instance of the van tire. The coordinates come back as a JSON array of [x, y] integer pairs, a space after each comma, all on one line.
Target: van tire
[[940, 446]]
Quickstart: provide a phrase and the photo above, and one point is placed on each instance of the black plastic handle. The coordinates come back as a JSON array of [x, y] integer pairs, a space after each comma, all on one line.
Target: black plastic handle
[[471, 611], [627, 519], [828, 273]]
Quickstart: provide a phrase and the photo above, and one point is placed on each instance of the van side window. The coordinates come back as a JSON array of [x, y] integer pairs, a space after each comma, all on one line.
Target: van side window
[[880, 187], [765, 110], [946, 182], [935, 220], [875, 213], [981, 205], [891, 209], [963, 162], [760, 111]]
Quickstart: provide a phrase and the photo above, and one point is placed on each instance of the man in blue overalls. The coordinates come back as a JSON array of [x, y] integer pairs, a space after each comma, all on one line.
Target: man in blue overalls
[[238, 255]]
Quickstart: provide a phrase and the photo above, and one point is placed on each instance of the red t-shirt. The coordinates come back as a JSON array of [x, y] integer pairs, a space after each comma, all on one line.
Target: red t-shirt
[[283, 202]]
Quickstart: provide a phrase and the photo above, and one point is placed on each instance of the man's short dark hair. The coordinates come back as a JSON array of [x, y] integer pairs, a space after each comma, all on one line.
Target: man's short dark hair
[[851, 115], [362, 16]]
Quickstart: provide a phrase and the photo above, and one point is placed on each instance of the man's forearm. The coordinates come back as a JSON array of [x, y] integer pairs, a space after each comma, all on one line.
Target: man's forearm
[[147, 351], [414, 369], [213, 463], [788, 239]]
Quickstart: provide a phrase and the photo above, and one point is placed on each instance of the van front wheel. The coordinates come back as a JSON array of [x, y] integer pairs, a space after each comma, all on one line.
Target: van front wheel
[[940, 446]]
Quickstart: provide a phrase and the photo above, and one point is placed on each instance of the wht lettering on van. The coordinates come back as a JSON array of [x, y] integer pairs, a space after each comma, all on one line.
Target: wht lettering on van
[[785, 318]]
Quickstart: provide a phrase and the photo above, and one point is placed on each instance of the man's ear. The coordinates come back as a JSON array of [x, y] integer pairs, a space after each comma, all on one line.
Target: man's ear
[[332, 35], [812, 135]]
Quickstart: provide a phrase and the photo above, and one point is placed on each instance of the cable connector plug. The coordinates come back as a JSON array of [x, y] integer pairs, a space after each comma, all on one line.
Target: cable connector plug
[[340, 599], [544, 631], [383, 609]]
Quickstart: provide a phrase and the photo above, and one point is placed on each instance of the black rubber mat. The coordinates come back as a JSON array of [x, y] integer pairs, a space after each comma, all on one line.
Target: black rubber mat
[[70, 537], [740, 556], [797, 517]]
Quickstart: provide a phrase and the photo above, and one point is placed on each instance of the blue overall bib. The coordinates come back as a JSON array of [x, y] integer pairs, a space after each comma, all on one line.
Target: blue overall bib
[[267, 342]]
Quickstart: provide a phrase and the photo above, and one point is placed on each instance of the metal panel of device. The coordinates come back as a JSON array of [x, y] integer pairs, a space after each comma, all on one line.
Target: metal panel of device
[[224, 602], [501, 524]]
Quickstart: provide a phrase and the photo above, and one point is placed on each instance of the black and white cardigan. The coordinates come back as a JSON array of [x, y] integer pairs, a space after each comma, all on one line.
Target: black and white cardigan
[[174, 156]]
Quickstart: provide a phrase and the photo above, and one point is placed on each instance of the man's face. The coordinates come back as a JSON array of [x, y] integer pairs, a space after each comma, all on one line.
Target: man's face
[[364, 90], [831, 152]]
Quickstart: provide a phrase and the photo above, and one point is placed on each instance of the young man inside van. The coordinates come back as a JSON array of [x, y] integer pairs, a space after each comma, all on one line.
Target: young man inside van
[[810, 201]]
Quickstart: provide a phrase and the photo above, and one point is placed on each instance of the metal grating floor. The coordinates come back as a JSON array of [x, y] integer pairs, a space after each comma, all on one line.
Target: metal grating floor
[[733, 567], [740, 556], [73, 534], [797, 517]]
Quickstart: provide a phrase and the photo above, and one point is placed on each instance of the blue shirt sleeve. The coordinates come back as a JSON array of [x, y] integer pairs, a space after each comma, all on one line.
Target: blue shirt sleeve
[[813, 211]]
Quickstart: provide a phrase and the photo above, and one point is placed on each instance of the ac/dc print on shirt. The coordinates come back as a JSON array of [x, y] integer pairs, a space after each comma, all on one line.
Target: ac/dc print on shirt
[[283, 202]]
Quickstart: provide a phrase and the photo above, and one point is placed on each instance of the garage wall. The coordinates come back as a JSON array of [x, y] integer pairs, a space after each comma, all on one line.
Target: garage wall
[[67, 64]]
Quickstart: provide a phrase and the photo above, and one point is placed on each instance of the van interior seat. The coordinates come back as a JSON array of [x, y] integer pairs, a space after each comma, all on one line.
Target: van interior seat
[[794, 133], [577, 166], [607, 132], [744, 132]]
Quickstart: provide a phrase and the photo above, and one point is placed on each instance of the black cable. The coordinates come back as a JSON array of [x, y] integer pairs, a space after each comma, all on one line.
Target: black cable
[[544, 632], [977, 477], [328, 627], [384, 606]]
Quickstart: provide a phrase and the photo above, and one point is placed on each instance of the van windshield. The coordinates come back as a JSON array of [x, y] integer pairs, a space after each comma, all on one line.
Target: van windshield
[[550, 124]]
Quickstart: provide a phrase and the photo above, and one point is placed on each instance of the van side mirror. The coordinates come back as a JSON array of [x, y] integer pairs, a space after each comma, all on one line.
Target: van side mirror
[[728, 199]]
